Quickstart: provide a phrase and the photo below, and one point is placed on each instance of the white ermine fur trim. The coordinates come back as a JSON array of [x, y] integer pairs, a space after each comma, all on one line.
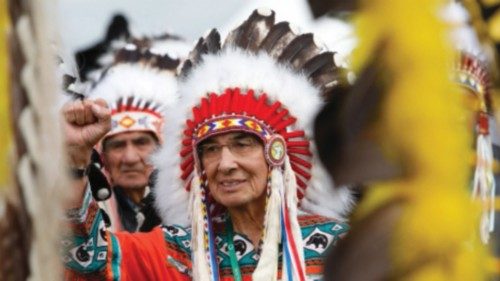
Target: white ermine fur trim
[[267, 267], [137, 80]]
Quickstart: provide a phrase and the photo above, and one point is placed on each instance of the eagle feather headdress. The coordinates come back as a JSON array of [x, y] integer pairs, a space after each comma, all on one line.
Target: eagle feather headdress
[[268, 80]]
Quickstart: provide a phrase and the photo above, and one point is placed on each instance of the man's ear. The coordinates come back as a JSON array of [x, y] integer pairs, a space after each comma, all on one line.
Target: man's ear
[[345, 131]]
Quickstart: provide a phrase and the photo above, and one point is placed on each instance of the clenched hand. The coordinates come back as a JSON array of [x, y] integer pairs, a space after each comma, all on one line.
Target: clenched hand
[[85, 123]]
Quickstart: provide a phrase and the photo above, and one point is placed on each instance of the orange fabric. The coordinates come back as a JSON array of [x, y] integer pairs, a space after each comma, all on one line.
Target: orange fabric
[[144, 257]]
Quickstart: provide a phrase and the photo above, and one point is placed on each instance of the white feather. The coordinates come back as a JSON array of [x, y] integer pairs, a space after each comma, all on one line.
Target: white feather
[[137, 80]]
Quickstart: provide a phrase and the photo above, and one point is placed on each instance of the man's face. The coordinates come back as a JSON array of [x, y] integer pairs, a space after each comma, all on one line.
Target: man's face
[[126, 158], [236, 169]]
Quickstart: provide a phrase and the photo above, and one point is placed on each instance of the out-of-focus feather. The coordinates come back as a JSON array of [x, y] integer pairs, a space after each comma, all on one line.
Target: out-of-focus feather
[[252, 32], [370, 250], [321, 7], [14, 243], [212, 41], [260, 33], [300, 44]]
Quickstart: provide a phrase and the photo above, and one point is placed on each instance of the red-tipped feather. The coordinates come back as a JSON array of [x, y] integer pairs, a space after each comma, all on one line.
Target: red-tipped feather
[[186, 142], [213, 105], [301, 172], [197, 115], [204, 109], [277, 117], [186, 150], [236, 103], [190, 124], [226, 102], [293, 134], [300, 194], [250, 102], [187, 186], [187, 162], [259, 107], [300, 161], [285, 123], [270, 111], [298, 143], [186, 172], [247, 103], [300, 183], [301, 151]]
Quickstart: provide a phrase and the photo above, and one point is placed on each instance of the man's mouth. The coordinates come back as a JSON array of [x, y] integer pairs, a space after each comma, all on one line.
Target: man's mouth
[[230, 185], [131, 171]]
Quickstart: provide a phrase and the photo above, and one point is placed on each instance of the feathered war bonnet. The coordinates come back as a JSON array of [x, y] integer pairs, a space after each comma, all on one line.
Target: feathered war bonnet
[[267, 80], [472, 74], [139, 87]]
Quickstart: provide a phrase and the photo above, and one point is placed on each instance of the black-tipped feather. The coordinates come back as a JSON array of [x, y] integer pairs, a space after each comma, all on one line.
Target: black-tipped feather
[[198, 51], [261, 27], [213, 42], [328, 75], [318, 62], [126, 55], [300, 50], [252, 32], [186, 68], [277, 31], [278, 39], [166, 63], [260, 33]]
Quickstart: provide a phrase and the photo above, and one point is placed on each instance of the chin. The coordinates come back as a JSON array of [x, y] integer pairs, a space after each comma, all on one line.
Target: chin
[[128, 184], [232, 202]]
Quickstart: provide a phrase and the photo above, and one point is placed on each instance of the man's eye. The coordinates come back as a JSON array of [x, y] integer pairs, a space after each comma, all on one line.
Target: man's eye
[[142, 142], [245, 142], [116, 145], [210, 148], [242, 144]]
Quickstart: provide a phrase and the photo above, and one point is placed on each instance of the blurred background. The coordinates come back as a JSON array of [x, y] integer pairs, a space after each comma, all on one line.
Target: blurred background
[[84, 22]]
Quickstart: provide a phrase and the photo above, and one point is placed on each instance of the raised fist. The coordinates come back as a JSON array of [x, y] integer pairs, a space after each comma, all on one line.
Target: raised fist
[[85, 123]]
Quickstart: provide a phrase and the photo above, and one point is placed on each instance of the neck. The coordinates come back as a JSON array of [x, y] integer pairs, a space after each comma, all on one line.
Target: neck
[[249, 220], [135, 194]]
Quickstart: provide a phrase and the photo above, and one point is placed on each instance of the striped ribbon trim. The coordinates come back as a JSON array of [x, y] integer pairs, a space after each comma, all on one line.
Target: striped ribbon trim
[[116, 258], [293, 264], [208, 236]]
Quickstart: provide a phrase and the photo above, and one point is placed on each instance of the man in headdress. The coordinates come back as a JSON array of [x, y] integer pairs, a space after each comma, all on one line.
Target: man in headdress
[[139, 87], [239, 180]]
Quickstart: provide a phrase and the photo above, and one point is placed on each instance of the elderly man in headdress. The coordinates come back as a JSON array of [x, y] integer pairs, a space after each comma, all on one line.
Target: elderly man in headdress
[[139, 87], [239, 181]]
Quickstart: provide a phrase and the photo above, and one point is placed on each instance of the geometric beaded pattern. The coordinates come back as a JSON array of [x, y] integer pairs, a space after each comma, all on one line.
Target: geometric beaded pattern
[[230, 123]]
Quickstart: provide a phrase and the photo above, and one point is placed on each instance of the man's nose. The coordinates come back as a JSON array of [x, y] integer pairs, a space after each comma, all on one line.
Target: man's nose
[[227, 160], [131, 154]]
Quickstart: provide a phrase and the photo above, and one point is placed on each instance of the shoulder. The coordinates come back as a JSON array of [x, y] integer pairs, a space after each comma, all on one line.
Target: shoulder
[[178, 243], [177, 237], [309, 222], [320, 233]]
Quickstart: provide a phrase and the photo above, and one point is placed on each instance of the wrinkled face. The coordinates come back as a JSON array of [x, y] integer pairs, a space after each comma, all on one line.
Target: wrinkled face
[[236, 169], [126, 158]]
